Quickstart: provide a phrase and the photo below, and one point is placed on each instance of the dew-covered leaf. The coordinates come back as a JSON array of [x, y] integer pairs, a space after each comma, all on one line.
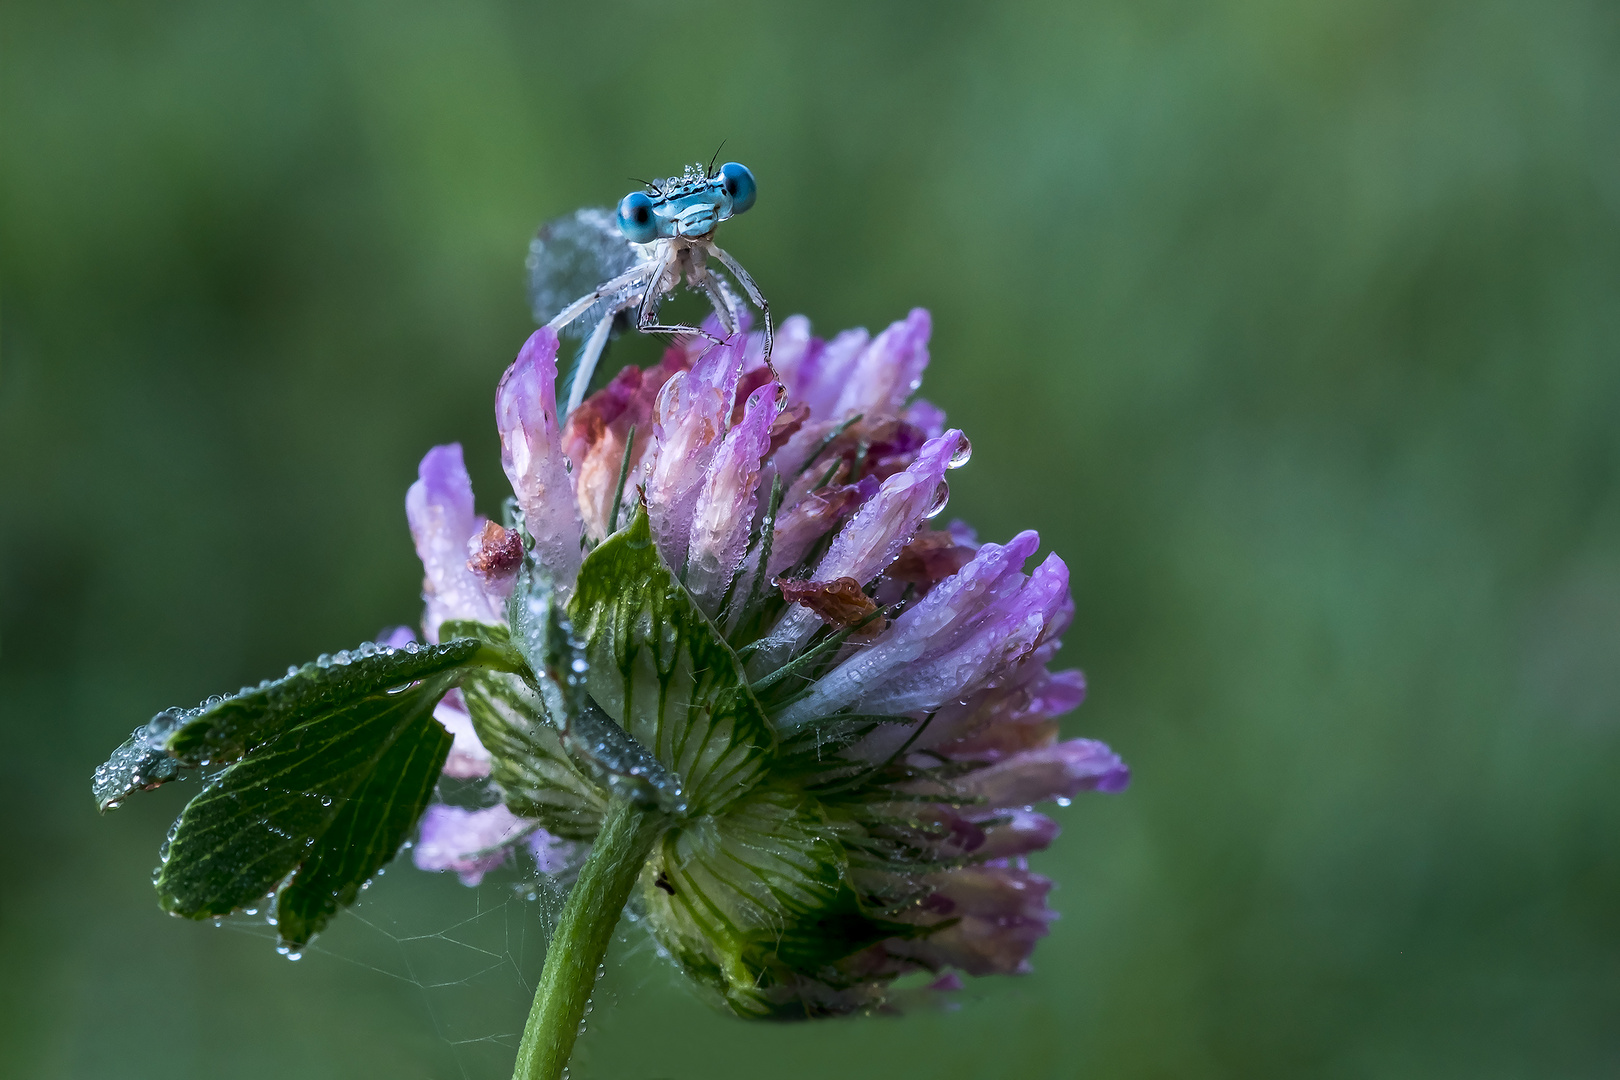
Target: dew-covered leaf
[[656, 665], [222, 730], [312, 813], [756, 905]]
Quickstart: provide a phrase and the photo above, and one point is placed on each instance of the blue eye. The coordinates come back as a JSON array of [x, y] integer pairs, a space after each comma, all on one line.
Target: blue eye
[[739, 184], [636, 219]]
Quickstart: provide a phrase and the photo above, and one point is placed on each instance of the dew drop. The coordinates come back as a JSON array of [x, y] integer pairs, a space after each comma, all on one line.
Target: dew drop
[[601, 970], [942, 495], [326, 800], [1063, 800], [963, 454], [250, 911], [295, 956]]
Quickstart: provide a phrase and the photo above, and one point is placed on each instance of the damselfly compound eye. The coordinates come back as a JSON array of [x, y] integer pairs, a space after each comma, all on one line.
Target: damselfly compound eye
[[739, 184], [636, 219]]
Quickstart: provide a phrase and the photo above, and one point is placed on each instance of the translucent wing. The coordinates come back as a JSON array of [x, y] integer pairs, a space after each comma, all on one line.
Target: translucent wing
[[572, 255]]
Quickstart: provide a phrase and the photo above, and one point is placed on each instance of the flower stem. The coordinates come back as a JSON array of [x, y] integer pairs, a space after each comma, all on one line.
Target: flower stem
[[582, 937]]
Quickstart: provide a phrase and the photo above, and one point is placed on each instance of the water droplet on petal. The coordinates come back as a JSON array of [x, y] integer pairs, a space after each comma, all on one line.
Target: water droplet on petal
[[942, 495], [963, 454]]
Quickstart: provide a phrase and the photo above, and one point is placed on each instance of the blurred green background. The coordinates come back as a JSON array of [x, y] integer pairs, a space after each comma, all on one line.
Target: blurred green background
[[1291, 326]]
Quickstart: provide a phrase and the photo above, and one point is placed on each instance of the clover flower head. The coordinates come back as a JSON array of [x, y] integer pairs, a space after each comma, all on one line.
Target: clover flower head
[[727, 579]]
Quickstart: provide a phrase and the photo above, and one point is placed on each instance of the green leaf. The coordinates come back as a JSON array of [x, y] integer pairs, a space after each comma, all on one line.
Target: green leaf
[[527, 760], [222, 730], [328, 770], [657, 666], [756, 905], [316, 811]]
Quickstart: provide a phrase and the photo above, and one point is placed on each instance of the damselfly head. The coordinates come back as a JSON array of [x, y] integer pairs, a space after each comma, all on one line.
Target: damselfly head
[[688, 206]]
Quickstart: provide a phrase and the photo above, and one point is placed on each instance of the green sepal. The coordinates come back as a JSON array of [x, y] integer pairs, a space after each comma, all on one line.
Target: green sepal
[[756, 905], [537, 777], [657, 666]]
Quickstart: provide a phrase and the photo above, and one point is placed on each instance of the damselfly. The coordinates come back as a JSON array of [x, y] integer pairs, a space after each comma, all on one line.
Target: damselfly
[[589, 270]]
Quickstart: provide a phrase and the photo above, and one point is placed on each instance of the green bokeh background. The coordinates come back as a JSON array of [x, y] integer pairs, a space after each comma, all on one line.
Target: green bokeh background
[[1292, 326]]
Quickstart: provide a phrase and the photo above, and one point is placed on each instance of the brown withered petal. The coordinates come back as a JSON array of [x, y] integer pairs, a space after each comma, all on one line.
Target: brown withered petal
[[499, 553], [839, 601], [788, 421], [931, 556]]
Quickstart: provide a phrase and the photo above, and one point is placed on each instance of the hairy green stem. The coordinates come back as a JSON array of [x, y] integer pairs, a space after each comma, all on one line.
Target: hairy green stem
[[582, 937]]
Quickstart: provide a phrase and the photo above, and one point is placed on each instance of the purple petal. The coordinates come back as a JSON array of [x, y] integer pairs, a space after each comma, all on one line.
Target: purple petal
[[439, 507], [992, 892], [808, 520], [470, 842], [689, 421], [468, 759], [725, 504], [1000, 914], [531, 454], [889, 370], [821, 375], [882, 527], [1049, 772], [926, 415], [872, 538], [1023, 832], [551, 854], [1060, 692], [999, 720], [951, 637]]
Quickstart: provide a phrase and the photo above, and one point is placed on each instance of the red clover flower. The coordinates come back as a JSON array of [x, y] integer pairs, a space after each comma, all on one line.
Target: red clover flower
[[715, 641]]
